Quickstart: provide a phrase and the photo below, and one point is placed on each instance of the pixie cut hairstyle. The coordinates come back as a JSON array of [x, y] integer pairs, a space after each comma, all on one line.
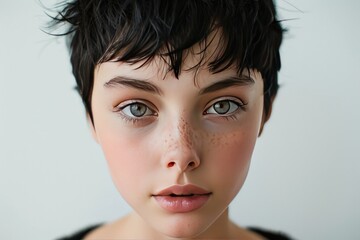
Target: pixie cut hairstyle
[[139, 30]]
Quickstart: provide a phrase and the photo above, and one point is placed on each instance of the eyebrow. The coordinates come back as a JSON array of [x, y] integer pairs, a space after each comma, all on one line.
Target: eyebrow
[[144, 85], [134, 83], [242, 80]]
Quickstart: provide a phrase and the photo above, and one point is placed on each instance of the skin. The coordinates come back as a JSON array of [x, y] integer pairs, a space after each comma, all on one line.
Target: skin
[[180, 140]]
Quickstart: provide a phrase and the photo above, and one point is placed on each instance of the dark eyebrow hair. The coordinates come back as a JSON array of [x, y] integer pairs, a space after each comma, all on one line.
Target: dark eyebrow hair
[[149, 87], [228, 82], [134, 83]]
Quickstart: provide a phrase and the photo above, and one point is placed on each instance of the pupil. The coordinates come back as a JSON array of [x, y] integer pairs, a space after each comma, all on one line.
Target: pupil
[[222, 107], [138, 110]]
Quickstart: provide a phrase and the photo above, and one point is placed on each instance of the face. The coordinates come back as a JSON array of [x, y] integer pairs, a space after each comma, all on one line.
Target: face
[[178, 149]]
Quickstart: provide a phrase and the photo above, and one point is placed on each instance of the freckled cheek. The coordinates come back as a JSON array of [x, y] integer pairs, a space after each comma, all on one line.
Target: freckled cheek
[[237, 153], [236, 147], [231, 160]]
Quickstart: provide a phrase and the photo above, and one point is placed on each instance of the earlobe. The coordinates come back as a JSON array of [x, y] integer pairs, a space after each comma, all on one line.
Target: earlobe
[[92, 128]]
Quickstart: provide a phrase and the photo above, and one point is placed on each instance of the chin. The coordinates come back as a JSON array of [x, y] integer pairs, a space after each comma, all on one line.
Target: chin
[[184, 228]]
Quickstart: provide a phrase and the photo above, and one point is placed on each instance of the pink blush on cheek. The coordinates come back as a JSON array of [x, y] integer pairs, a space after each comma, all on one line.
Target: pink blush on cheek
[[123, 158], [231, 156], [236, 154]]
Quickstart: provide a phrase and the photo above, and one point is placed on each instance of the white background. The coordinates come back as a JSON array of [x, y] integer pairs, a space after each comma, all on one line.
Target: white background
[[305, 175]]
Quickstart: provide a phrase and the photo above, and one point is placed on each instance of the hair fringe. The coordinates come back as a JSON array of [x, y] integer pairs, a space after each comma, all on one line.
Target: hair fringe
[[139, 30]]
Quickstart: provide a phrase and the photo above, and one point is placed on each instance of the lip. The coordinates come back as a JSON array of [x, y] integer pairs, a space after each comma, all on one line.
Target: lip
[[182, 198]]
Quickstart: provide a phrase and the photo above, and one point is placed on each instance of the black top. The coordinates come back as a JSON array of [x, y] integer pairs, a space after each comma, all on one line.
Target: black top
[[270, 235]]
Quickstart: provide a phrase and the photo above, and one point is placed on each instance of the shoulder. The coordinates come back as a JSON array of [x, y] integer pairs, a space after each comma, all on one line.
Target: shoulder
[[98, 231], [81, 234], [257, 233], [270, 235]]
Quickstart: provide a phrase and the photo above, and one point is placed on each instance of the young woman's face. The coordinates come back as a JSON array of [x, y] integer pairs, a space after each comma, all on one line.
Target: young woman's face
[[178, 149]]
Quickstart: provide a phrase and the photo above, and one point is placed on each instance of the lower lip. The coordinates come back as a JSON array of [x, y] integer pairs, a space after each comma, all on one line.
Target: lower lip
[[182, 204]]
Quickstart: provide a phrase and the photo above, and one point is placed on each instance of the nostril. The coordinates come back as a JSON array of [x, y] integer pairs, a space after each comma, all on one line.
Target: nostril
[[171, 164]]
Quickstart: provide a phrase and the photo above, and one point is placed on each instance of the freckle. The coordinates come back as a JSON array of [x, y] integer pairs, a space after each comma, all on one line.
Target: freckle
[[212, 138], [186, 133]]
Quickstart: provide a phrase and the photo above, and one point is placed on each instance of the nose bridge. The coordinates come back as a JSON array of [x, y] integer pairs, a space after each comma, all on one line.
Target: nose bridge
[[185, 133], [180, 146]]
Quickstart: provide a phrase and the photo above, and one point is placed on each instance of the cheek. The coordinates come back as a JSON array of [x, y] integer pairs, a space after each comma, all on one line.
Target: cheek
[[123, 157], [230, 156], [233, 159]]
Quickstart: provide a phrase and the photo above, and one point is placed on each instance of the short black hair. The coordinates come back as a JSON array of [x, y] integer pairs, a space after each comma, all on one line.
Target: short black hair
[[136, 30]]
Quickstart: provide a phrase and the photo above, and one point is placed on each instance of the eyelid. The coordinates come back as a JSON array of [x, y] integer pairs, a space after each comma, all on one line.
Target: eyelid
[[228, 98], [126, 103]]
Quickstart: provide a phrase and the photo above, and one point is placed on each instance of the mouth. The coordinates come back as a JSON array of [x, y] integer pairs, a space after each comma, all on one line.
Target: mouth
[[182, 195], [182, 199], [182, 190]]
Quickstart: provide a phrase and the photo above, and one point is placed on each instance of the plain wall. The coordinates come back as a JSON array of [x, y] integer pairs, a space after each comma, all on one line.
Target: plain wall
[[305, 174]]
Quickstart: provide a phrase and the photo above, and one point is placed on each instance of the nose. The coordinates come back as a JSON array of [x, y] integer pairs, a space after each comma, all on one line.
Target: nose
[[181, 148]]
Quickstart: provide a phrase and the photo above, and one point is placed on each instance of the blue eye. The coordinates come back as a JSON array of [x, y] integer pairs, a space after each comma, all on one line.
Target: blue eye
[[223, 107], [136, 110]]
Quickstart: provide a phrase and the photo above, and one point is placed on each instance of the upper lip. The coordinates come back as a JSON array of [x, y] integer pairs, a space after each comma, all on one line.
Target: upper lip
[[188, 189]]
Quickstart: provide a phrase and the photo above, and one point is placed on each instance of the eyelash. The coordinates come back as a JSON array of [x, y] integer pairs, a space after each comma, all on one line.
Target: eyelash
[[134, 120], [241, 106]]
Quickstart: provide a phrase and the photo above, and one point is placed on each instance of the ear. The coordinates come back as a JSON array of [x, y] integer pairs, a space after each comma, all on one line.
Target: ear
[[92, 128], [266, 117]]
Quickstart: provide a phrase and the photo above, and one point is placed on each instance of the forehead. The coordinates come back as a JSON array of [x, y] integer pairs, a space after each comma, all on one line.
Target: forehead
[[153, 75], [158, 69]]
